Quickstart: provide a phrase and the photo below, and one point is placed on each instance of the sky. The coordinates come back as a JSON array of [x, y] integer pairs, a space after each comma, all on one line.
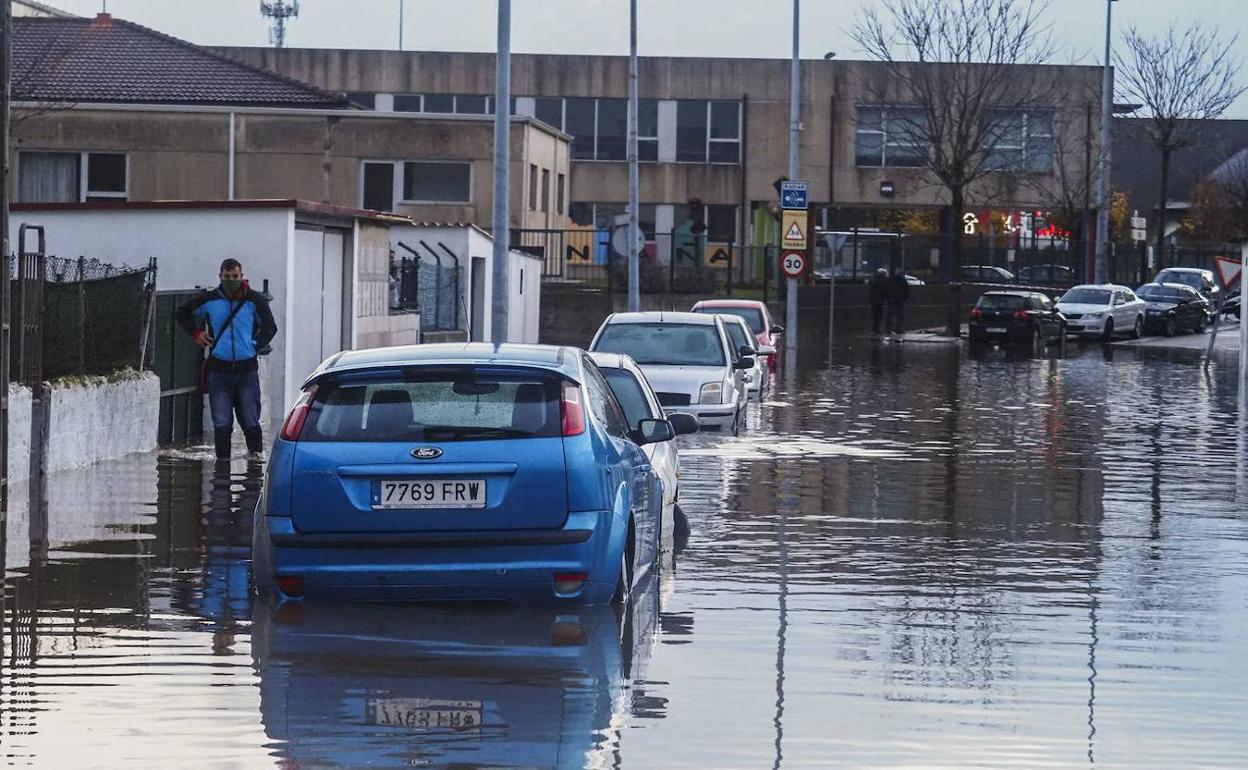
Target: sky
[[665, 27]]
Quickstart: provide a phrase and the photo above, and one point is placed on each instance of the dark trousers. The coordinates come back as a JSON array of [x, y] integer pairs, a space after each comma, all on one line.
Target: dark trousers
[[897, 317], [877, 316], [230, 394]]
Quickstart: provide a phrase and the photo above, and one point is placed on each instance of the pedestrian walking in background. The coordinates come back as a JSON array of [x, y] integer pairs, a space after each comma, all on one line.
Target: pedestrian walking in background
[[878, 298], [236, 323], [898, 295]]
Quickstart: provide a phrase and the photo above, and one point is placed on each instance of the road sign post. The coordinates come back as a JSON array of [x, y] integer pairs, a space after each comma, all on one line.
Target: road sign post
[[1229, 271], [794, 262]]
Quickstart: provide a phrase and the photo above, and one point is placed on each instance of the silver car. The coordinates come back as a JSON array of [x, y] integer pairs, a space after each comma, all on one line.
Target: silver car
[[688, 358], [757, 379], [640, 402]]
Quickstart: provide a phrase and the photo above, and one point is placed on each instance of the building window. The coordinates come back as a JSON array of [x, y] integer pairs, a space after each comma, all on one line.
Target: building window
[[439, 103], [415, 181], [1021, 141], [472, 105], [889, 137], [365, 99], [71, 177], [603, 216], [721, 223], [648, 129], [560, 185], [708, 132], [409, 103], [532, 187], [612, 129], [379, 186], [580, 120], [545, 190], [549, 110], [691, 119]]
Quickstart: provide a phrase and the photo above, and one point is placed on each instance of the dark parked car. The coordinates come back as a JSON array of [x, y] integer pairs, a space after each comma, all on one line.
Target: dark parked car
[[1173, 307], [1047, 275], [986, 274], [1230, 305], [1200, 280], [1016, 316]]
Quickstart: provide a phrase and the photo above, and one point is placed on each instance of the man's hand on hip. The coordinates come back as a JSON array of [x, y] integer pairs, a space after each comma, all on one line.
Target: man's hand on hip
[[202, 339]]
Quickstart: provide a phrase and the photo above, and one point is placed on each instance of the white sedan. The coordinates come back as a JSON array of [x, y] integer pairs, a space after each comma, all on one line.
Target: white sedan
[[757, 379], [1102, 310], [640, 402]]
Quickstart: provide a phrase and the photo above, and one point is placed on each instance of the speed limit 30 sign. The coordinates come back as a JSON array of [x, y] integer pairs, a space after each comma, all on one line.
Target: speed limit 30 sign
[[793, 263]]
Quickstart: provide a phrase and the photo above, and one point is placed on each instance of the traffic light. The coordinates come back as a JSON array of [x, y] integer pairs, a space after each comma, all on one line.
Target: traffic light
[[697, 216]]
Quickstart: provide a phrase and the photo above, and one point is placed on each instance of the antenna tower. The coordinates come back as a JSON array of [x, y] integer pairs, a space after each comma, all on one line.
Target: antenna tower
[[279, 11]]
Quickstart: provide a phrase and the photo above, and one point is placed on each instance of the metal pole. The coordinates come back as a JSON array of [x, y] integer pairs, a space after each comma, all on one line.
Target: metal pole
[[634, 257], [502, 169], [1243, 332], [6, 29], [401, 25], [795, 113], [1102, 163]]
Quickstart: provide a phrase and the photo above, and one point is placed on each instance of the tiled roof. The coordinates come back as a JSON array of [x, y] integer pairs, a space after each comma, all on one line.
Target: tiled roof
[[106, 59]]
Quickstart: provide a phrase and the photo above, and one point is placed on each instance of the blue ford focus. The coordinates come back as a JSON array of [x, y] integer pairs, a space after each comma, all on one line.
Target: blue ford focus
[[459, 472]]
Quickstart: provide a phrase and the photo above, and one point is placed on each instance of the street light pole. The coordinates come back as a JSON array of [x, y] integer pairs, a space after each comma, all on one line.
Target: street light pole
[[1102, 162], [502, 169], [401, 24], [795, 116], [634, 258]]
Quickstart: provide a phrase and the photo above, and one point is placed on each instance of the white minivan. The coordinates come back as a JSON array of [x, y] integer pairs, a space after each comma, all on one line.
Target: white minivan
[[689, 360]]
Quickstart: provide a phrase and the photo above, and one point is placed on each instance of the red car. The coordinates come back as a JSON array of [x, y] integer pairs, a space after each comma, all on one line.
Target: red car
[[755, 314]]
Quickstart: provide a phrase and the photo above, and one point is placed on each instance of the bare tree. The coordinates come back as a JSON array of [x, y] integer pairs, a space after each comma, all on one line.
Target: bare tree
[[953, 67], [1179, 77], [1231, 180]]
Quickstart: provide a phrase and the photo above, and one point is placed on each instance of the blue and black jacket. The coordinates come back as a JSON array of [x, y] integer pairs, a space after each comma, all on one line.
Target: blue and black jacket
[[252, 329]]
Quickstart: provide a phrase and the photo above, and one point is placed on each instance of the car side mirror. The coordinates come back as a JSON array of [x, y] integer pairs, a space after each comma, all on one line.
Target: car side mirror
[[766, 350], [683, 423], [777, 330], [745, 351], [651, 431], [744, 363]]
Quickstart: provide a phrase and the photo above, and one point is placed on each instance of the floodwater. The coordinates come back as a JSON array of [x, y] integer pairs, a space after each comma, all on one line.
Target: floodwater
[[913, 558]]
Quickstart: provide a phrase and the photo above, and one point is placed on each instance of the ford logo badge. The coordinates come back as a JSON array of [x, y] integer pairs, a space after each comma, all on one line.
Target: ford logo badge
[[426, 453]]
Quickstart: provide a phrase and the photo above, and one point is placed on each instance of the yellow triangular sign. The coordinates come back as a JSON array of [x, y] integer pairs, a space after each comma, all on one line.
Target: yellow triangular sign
[[794, 233]]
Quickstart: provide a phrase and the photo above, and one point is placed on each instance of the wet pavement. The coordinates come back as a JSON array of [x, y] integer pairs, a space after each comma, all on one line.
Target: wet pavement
[[917, 557]]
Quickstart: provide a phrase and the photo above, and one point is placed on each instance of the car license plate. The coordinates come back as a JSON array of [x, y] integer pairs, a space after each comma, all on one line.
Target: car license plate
[[428, 493], [996, 330], [423, 713]]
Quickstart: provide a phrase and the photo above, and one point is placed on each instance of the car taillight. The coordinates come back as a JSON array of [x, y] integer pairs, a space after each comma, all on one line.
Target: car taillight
[[570, 582], [976, 313], [573, 411], [291, 585], [1020, 315], [293, 425]]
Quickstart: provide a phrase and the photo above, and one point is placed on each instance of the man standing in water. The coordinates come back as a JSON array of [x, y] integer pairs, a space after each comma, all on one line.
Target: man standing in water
[[236, 322]]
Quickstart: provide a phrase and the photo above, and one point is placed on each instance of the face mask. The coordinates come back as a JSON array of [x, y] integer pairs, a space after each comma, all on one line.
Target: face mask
[[232, 285]]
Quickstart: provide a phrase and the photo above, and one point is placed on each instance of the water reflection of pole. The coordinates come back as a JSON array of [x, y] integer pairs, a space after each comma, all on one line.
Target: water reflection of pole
[[781, 632], [1092, 643]]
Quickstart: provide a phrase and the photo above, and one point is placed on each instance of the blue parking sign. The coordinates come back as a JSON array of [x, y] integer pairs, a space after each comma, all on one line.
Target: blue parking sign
[[794, 195]]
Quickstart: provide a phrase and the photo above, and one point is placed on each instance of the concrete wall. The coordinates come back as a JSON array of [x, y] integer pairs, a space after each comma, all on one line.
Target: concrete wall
[[525, 279], [88, 422], [317, 156]]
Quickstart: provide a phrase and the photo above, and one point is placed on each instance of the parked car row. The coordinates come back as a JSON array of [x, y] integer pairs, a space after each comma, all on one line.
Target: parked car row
[[1178, 300], [529, 474]]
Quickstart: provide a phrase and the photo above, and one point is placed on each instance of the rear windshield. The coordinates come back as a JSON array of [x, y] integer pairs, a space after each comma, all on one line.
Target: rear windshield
[[1086, 297], [1002, 302], [752, 315], [449, 405], [1159, 293], [1176, 276], [664, 344]]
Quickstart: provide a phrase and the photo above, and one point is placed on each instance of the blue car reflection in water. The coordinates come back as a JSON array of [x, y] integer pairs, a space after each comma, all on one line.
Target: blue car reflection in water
[[401, 686]]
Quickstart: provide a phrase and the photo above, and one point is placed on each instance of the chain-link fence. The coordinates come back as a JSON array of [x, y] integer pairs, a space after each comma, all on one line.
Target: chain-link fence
[[93, 317]]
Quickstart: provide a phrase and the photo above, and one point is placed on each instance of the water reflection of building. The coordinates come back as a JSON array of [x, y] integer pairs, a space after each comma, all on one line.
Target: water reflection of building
[[356, 686]]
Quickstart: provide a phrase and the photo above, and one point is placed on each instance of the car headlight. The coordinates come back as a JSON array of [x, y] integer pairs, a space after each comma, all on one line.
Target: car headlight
[[1093, 316], [711, 393]]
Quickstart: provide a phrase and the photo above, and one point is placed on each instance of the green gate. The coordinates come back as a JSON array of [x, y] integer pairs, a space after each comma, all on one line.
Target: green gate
[[176, 359]]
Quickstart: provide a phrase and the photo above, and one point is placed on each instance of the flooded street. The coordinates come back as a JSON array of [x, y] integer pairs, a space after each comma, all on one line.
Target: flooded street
[[913, 558]]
